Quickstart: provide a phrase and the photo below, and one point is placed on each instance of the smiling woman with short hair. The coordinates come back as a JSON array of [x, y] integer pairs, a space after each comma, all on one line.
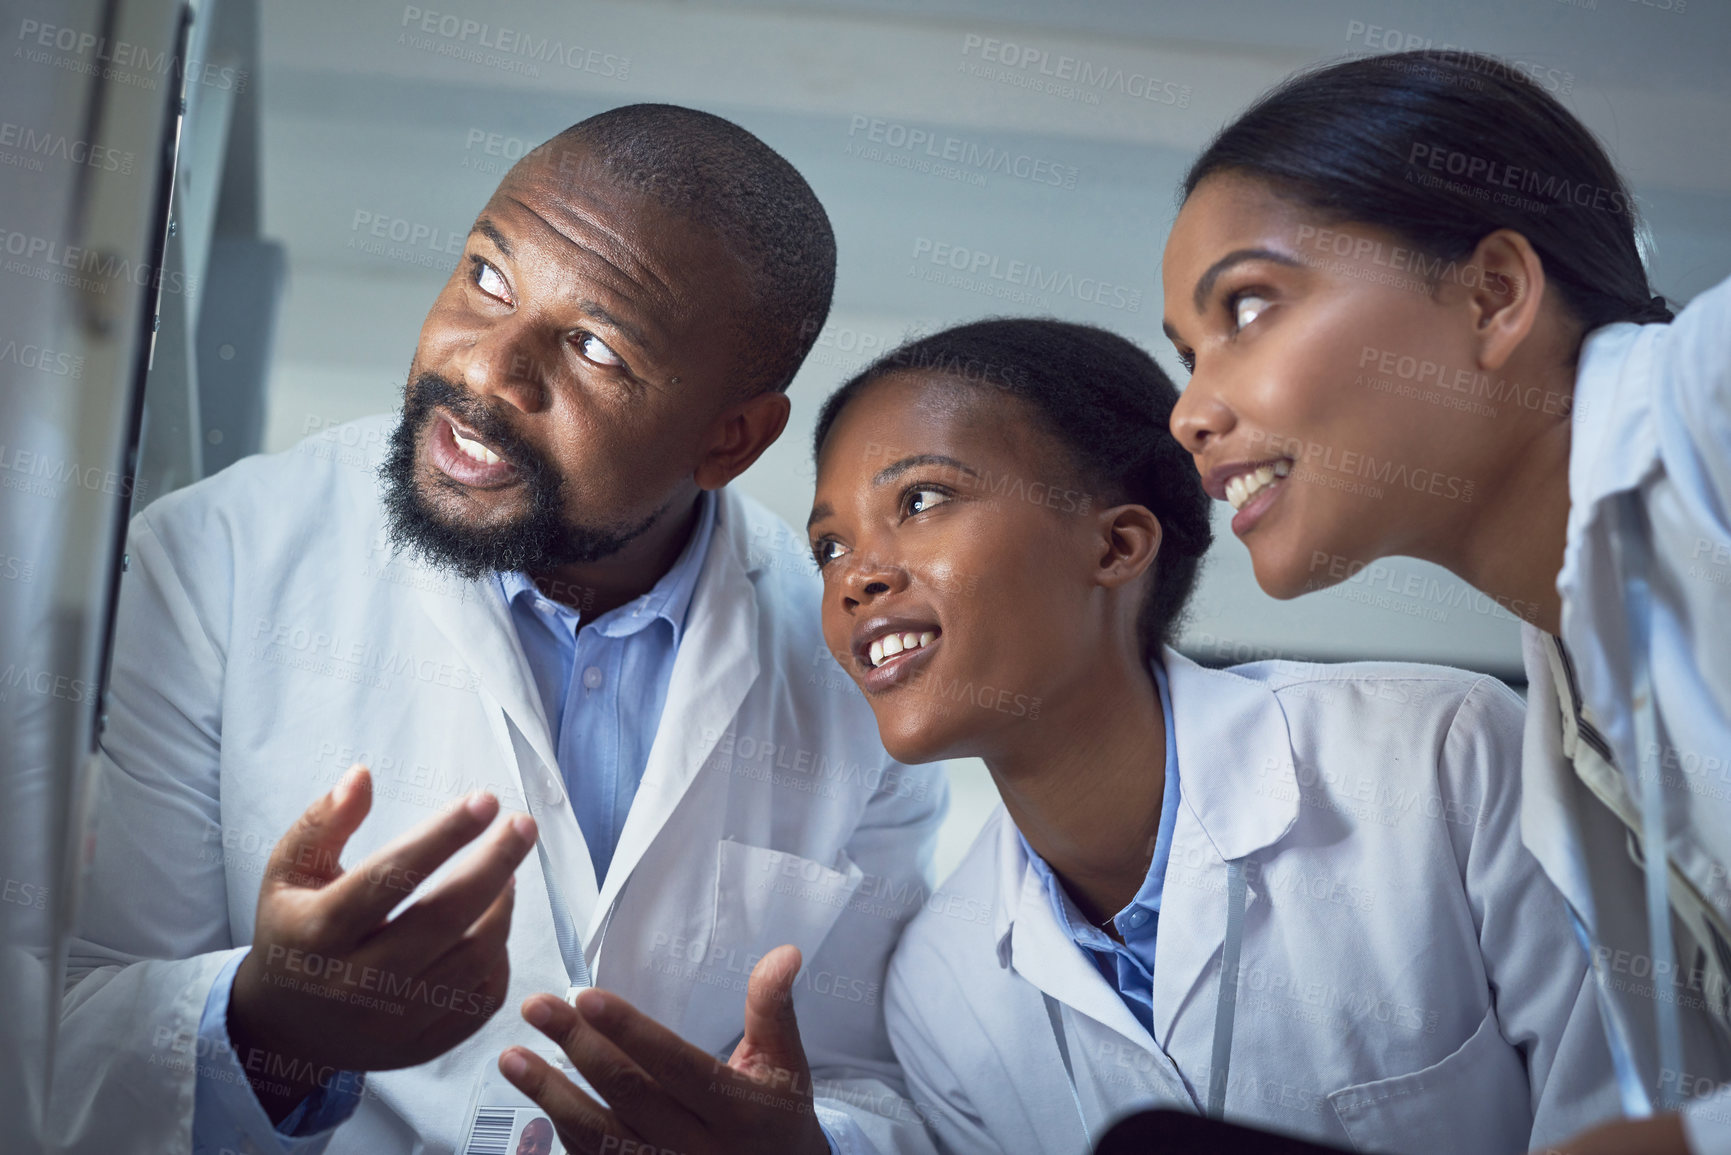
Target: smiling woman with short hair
[[1006, 538]]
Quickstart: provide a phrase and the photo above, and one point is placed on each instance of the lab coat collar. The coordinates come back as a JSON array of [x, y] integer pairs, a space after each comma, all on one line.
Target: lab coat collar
[[1613, 442], [476, 624], [1033, 944], [1236, 751], [478, 627], [1240, 786], [716, 664], [1239, 783], [1614, 447]]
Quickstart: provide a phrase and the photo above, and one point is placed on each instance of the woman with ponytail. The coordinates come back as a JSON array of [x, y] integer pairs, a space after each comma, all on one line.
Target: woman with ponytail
[[1411, 294]]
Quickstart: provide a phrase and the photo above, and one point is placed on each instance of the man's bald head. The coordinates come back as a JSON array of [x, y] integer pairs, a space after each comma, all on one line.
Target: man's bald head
[[715, 173]]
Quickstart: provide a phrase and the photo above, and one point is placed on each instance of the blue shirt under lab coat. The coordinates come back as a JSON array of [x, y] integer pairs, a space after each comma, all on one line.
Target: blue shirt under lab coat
[[603, 686], [1127, 965]]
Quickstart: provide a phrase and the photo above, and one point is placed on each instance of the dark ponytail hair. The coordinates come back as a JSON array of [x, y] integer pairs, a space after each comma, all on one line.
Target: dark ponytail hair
[[1104, 401], [1442, 149]]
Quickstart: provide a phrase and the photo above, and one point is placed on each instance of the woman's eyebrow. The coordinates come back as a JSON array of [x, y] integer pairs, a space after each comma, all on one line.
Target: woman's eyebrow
[[1205, 282], [889, 473], [896, 468]]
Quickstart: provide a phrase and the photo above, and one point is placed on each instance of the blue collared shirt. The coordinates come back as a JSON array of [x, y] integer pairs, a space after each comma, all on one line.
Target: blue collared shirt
[[603, 687], [603, 683], [1127, 965]]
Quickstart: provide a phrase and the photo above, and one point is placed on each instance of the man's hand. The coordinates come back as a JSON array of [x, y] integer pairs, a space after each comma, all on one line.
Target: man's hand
[[330, 985], [1660, 1135], [667, 1094]]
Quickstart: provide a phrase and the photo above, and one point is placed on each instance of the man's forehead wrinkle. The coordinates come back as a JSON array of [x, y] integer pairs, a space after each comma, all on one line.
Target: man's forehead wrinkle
[[622, 253], [569, 235], [594, 193]]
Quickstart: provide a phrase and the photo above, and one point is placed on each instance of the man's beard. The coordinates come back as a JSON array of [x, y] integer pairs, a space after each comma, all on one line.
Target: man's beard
[[538, 540]]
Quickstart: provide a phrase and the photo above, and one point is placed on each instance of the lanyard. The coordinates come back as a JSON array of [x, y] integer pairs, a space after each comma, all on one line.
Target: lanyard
[[1655, 853], [1225, 1007], [1631, 1088], [570, 945]]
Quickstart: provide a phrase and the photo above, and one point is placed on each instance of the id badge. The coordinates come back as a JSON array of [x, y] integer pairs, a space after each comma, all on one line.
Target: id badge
[[504, 1121]]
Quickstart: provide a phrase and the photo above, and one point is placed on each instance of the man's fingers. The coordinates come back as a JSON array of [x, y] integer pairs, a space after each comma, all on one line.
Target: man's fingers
[[640, 1102], [369, 892], [771, 1027], [307, 855], [468, 999], [494, 925], [583, 1124], [685, 1071], [472, 886], [478, 948]]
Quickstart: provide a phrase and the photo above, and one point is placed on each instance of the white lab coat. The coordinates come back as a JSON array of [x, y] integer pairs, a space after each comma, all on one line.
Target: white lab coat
[[1409, 981], [267, 638], [1652, 418]]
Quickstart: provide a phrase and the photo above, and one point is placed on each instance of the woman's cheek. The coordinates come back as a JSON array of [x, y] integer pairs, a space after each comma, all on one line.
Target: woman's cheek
[[835, 635], [947, 579]]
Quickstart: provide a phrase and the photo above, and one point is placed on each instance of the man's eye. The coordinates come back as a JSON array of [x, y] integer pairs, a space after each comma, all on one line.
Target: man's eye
[[1247, 308], [826, 551], [597, 350], [920, 500], [488, 280]]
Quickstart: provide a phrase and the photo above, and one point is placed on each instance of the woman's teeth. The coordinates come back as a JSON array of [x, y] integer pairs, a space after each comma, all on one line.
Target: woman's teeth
[[1240, 489], [474, 450], [890, 645]]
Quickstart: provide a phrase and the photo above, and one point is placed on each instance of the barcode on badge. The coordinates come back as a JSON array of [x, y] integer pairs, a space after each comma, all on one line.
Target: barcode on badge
[[491, 1134]]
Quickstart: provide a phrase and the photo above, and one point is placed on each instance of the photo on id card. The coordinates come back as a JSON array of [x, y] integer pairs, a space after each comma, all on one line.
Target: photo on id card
[[504, 1121]]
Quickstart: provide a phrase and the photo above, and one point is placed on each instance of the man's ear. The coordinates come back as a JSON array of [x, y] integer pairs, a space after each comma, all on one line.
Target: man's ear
[[740, 435], [1505, 302], [1130, 537]]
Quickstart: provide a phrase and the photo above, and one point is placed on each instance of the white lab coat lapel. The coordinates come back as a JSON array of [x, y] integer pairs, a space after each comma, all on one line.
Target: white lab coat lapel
[[715, 667], [1043, 954], [1239, 795], [1096, 1021], [479, 628]]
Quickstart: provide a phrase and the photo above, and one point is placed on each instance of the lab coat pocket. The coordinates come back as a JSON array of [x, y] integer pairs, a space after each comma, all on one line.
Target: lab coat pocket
[[763, 898], [1475, 1099]]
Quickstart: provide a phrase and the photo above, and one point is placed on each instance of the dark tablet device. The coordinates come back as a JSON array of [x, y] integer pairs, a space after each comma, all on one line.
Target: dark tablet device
[[1158, 1132]]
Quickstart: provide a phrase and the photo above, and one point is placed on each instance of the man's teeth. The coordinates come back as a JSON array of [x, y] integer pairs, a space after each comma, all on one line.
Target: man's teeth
[[1240, 489], [890, 645], [474, 449]]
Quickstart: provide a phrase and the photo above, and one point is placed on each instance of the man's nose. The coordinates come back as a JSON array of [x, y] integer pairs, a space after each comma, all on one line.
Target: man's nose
[[502, 361]]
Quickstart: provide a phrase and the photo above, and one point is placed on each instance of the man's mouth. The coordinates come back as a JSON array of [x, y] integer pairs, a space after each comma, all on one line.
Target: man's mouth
[[462, 456], [475, 449]]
